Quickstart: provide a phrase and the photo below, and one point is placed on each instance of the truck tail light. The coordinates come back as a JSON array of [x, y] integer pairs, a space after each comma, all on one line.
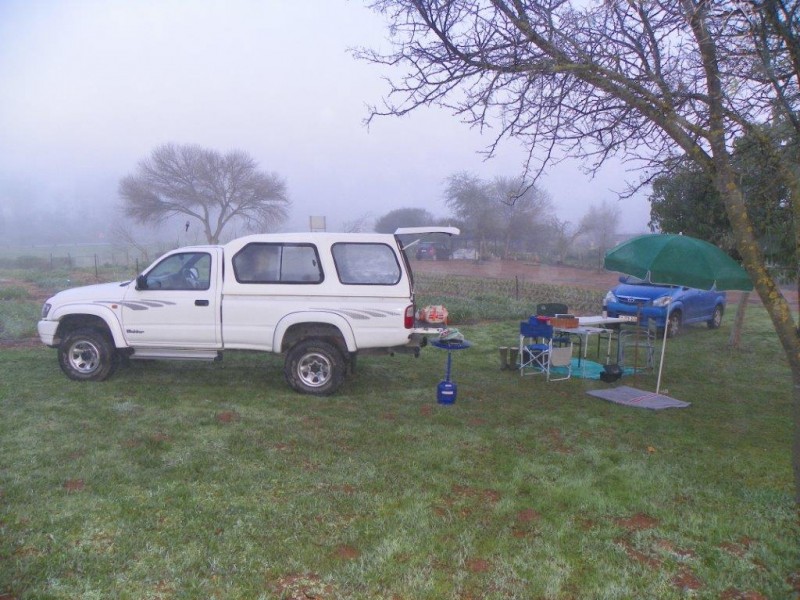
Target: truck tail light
[[408, 321]]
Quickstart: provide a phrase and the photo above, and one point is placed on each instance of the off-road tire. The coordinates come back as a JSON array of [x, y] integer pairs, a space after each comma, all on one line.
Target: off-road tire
[[87, 355], [315, 367], [716, 318]]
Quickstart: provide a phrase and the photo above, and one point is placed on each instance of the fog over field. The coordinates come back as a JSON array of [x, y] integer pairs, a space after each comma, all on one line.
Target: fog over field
[[92, 87]]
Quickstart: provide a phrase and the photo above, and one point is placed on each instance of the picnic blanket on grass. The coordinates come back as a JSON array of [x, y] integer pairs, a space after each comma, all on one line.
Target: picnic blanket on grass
[[629, 396]]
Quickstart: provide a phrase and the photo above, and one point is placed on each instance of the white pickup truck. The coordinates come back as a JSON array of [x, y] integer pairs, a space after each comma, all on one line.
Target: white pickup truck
[[319, 298]]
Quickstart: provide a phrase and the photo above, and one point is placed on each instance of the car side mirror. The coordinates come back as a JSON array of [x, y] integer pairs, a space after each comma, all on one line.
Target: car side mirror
[[141, 282]]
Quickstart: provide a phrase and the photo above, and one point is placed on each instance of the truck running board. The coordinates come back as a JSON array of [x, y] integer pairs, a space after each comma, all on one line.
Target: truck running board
[[175, 354]]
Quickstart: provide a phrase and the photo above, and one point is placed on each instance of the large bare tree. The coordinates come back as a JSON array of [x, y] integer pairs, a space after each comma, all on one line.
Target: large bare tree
[[206, 186], [650, 81]]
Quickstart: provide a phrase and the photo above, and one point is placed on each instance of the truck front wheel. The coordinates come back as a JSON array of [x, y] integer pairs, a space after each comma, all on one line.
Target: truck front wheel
[[87, 355], [314, 367]]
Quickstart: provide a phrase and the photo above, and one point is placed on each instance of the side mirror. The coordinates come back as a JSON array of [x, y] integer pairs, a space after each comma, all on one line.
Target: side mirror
[[141, 283]]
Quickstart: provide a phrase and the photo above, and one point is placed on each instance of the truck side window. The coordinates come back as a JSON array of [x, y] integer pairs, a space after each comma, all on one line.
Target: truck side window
[[184, 271], [277, 263], [366, 264]]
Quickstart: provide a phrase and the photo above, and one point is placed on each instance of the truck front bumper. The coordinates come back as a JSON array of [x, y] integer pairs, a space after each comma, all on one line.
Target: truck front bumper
[[47, 332]]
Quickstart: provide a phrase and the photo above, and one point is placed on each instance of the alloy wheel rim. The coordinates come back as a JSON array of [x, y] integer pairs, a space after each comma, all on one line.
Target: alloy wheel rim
[[314, 369], [84, 357]]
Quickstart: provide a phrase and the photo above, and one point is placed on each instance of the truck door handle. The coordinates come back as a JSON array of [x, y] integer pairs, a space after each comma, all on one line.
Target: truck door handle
[[201, 302]]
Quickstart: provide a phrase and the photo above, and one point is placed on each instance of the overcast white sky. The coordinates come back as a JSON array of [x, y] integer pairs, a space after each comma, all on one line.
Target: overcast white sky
[[90, 87]]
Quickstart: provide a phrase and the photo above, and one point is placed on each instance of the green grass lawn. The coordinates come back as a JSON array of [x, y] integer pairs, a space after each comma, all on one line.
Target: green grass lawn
[[185, 480]]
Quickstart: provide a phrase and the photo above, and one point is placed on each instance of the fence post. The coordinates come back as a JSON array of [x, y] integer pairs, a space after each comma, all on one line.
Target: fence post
[[516, 286], [96, 274]]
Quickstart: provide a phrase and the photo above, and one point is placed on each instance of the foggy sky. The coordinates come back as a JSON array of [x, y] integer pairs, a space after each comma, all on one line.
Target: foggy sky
[[90, 87]]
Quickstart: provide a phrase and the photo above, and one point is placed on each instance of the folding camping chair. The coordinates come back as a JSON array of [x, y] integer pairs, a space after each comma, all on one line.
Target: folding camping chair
[[540, 351]]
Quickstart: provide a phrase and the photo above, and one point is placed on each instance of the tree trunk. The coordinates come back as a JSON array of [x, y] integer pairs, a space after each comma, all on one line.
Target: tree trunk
[[735, 339]]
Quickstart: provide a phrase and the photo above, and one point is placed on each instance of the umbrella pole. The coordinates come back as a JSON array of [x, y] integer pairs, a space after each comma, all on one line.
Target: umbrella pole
[[663, 349]]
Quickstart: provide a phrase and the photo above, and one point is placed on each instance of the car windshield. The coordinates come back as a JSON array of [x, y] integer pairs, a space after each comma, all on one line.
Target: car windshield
[[631, 280]]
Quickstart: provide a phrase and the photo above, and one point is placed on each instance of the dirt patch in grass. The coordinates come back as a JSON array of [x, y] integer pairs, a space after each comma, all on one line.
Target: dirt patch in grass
[[734, 594], [670, 548], [556, 439], [524, 523], [639, 556], [637, 522], [794, 581], [478, 565], [487, 495], [684, 579], [227, 416], [303, 587], [345, 552], [687, 581], [738, 548], [74, 485], [528, 515]]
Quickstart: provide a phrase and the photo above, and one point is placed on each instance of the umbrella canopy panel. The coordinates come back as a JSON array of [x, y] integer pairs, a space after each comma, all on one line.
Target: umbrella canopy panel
[[678, 260]]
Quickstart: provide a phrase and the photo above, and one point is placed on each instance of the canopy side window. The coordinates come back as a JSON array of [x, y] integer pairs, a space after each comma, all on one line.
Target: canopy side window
[[278, 263]]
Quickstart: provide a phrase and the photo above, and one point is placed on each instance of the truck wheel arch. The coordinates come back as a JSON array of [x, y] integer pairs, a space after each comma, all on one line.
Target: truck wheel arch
[[326, 326], [320, 331], [72, 322]]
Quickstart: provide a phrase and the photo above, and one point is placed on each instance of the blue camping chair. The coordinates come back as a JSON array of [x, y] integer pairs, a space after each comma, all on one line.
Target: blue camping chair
[[540, 352]]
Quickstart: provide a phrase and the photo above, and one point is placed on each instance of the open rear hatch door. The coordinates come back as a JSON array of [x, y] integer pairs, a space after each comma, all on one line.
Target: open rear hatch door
[[419, 233]]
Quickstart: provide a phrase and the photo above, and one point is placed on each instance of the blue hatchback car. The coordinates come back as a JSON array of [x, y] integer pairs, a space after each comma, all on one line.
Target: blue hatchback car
[[687, 305]]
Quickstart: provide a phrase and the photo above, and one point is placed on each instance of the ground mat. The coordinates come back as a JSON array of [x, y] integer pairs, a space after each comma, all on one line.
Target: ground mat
[[629, 396], [587, 369]]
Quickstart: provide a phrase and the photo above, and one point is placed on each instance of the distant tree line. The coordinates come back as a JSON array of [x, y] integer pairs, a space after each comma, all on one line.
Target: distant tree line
[[505, 218]]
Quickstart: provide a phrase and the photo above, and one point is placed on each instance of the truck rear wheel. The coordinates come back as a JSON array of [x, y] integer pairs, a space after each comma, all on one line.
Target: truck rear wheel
[[314, 367], [87, 355]]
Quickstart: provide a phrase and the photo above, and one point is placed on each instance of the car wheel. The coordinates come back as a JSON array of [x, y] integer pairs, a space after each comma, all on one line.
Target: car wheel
[[716, 318], [674, 324], [87, 355], [314, 367]]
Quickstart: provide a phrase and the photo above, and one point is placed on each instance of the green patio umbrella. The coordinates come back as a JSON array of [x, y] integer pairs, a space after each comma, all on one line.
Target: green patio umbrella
[[678, 260], [669, 259]]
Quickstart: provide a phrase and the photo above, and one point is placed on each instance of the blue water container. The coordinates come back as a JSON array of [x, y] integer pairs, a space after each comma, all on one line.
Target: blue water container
[[446, 392]]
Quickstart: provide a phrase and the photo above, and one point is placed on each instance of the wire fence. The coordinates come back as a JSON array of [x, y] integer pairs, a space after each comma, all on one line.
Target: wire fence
[[99, 257]]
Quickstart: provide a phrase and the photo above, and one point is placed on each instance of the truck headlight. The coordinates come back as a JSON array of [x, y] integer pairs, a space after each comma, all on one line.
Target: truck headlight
[[45, 309], [610, 297]]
